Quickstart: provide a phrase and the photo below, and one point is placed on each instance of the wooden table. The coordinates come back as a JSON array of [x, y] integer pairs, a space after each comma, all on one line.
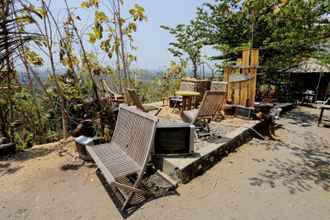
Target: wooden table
[[187, 97], [323, 107]]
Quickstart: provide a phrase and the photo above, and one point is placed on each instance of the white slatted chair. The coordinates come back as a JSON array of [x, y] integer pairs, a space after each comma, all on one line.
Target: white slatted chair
[[128, 152]]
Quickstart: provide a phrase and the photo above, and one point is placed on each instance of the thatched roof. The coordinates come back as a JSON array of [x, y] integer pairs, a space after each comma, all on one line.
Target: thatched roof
[[310, 65]]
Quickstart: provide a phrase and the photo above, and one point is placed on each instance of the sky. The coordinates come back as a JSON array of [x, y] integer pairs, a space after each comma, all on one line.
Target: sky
[[152, 41]]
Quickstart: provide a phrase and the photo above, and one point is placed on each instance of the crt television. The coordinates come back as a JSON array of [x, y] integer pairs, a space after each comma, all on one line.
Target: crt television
[[174, 139]]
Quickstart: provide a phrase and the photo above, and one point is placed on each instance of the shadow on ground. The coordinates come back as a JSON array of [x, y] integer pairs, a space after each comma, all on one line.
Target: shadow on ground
[[138, 201], [301, 118], [7, 169], [307, 169], [29, 154], [8, 163], [77, 166], [308, 164]]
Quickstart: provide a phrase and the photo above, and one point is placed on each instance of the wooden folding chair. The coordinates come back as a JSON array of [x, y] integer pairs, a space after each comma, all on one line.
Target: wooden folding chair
[[211, 104], [128, 152], [143, 107]]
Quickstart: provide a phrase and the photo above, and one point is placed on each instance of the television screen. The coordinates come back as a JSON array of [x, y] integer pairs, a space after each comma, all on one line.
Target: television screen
[[174, 139]]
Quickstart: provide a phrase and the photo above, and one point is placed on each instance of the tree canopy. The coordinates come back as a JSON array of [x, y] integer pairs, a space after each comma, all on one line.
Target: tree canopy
[[188, 42], [32, 37], [285, 31]]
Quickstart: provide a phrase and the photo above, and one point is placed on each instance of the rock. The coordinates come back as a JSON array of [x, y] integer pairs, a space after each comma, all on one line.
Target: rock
[[4, 140], [6, 149]]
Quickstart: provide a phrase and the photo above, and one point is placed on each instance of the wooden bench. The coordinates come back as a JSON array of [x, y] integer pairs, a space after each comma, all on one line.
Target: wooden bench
[[128, 152]]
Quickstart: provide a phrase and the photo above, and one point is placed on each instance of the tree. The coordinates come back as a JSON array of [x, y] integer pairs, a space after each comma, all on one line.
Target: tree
[[285, 31], [111, 30], [21, 116], [11, 37], [188, 42]]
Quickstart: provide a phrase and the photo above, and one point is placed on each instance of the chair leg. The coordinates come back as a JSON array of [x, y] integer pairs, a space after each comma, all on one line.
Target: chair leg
[[158, 111], [126, 187], [203, 128], [196, 136], [130, 196], [320, 118], [207, 124], [176, 104]]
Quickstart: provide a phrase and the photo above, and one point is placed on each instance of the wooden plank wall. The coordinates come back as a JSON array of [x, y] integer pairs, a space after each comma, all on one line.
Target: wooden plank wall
[[230, 89], [254, 58], [253, 84], [243, 93], [246, 58]]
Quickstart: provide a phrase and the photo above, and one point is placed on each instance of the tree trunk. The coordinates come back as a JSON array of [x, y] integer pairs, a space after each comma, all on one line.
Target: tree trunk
[[52, 64], [5, 13], [122, 45], [117, 51], [194, 69], [84, 55]]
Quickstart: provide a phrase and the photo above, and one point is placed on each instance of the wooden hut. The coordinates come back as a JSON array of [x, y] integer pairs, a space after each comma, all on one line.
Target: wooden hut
[[310, 74]]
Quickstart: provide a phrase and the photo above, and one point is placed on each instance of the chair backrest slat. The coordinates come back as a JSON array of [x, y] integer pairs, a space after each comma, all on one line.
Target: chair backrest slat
[[106, 86], [219, 86], [108, 89], [134, 133], [211, 104], [99, 85], [187, 86], [135, 98], [111, 85]]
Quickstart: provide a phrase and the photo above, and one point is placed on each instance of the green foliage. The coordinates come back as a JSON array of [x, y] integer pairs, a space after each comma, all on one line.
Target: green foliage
[[90, 3], [163, 85], [172, 78], [105, 28], [149, 90], [32, 57], [29, 115], [100, 17], [138, 13], [285, 31], [12, 33], [188, 41], [31, 119], [23, 141]]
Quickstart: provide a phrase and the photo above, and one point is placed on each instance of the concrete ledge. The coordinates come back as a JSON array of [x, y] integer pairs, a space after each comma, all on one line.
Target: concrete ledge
[[185, 169]]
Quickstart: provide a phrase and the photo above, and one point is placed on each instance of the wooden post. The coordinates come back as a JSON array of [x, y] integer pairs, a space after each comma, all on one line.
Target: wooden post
[[253, 75], [246, 57], [254, 58]]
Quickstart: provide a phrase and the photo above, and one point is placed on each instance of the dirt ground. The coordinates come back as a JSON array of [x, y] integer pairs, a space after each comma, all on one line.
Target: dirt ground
[[286, 179]]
